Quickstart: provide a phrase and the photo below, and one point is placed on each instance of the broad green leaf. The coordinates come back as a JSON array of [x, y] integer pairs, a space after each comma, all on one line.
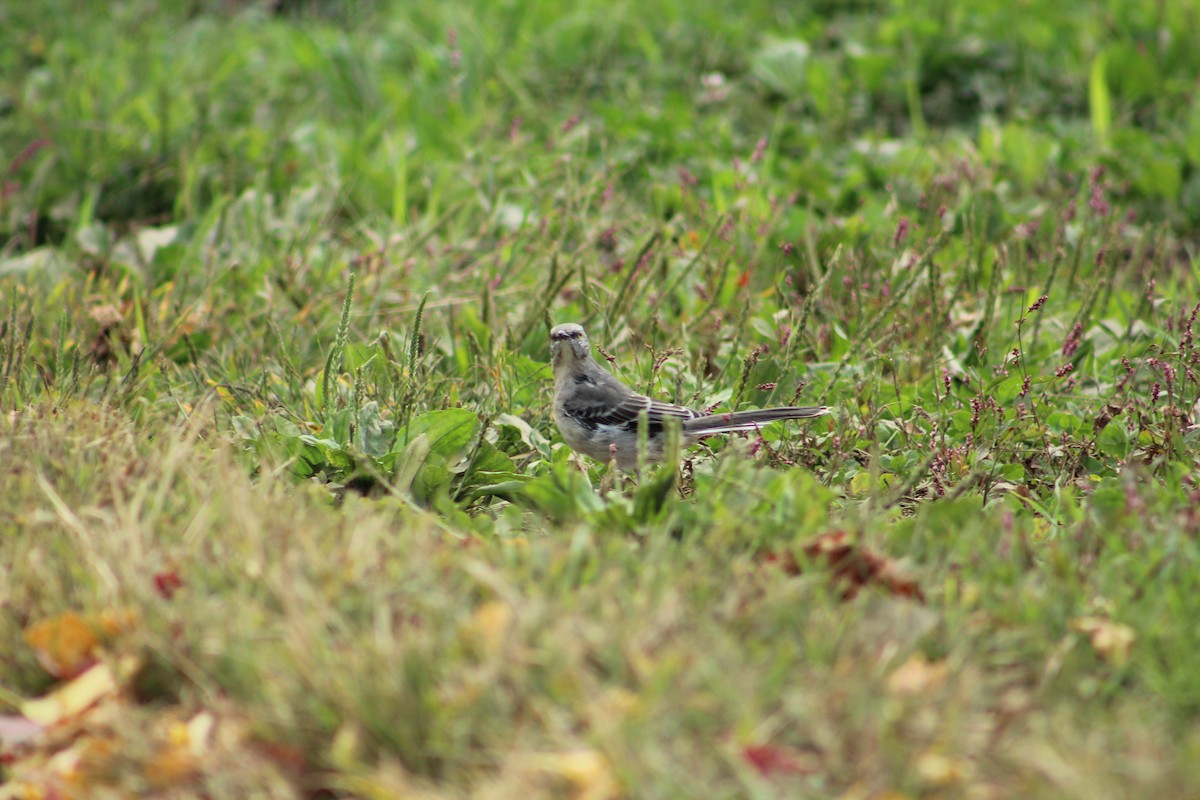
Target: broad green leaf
[[409, 461], [488, 466], [514, 435], [563, 494], [374, 434], [782, 66], [448, 431]]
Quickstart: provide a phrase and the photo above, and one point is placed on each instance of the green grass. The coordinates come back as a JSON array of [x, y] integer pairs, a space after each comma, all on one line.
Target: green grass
[[274, 295]]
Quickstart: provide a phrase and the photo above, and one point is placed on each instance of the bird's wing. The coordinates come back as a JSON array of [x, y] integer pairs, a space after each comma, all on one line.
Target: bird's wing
[[602, 403]]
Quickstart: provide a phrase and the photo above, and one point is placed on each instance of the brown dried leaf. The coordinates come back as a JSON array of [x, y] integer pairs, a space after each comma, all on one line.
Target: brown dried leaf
[[106, 315], [1106, 416], [854, 566]]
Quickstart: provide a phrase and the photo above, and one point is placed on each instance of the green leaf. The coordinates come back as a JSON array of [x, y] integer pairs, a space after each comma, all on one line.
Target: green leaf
[[782, 66], [374, 435], [562, 494], [448, 431], [338, 427], [516, 436], [436, 439], [1114, 441], [488, 466], [651, 495], [411, 459]]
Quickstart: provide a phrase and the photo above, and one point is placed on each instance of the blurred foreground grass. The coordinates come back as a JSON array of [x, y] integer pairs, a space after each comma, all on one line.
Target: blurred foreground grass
[[276, 284]]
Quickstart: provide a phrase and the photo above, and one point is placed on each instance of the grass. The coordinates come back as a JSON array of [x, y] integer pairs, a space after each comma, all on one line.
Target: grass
[[275, 285]]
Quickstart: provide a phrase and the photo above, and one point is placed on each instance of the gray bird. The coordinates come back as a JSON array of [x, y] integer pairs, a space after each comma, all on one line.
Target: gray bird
[[598, 415]]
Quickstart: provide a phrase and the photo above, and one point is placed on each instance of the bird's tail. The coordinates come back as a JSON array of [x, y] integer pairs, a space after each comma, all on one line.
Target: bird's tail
[[748, 420]]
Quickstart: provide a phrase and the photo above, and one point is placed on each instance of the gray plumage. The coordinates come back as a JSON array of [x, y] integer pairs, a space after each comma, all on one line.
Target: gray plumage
[[598, 415]]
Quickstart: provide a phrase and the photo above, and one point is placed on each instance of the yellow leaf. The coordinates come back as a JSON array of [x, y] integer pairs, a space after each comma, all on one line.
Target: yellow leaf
[[170, 766], [489, 626], [938, 769], [199, 731], [587, 771], [917, 676], [72, 698], [113, 622]]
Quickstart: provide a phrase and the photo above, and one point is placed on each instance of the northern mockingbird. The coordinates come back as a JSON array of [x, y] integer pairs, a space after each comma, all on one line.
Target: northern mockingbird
[[598, 415]]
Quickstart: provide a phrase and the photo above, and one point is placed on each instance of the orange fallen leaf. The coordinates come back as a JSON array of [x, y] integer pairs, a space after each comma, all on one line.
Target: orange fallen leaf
[[64, 645], [113, 622], [170, 766]]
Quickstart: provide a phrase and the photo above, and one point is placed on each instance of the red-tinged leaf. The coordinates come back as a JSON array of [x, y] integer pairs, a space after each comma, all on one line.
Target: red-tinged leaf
[[167, 583], [785, 561], [770, 760], [290, 759]]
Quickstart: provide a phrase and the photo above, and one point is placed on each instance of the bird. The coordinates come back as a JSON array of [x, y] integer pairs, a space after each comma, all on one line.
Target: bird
[[598, 415]]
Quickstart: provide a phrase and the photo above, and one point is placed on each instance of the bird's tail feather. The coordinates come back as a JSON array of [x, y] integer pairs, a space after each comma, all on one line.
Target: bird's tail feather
[[748, 420]]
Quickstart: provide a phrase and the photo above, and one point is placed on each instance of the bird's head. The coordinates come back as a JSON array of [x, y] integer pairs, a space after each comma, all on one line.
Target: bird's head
[[568, 346]]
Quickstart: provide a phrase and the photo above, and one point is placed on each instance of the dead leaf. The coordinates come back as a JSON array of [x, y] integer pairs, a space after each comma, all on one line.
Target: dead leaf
[[854, 566], [106, 315], [770, 760], [1105, 416], [587, 771], [68, 644], [489, 626], [109, 334], [917, 676], [1111, 640], [171, 766], [167, 582], [73, 698], [64, 645], [937, 769], [113, 622]]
